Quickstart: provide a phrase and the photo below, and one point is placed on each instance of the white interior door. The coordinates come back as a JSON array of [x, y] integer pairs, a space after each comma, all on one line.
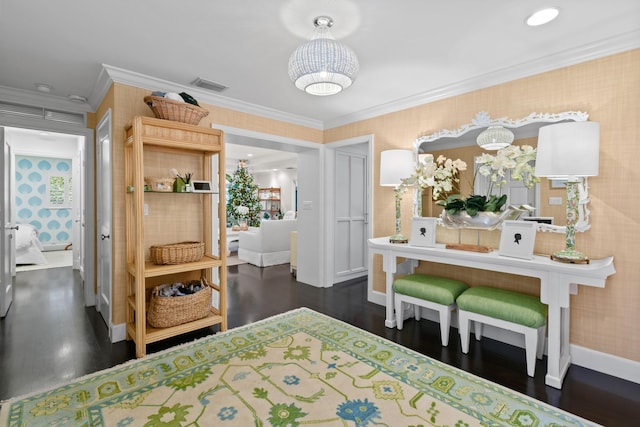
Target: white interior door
[[103, 186], [350, 258], [6, 280]]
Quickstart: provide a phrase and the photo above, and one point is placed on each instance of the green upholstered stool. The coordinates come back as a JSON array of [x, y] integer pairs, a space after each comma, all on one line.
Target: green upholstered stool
[[432, 292], [509, 310]]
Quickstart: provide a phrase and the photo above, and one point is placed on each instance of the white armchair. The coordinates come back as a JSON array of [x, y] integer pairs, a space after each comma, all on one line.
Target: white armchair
[[268, 245]]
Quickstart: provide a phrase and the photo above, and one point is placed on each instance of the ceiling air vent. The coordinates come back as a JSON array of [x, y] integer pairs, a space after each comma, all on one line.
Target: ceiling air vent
[[209, 85], [21, 110], [59, 116], [41, 113]]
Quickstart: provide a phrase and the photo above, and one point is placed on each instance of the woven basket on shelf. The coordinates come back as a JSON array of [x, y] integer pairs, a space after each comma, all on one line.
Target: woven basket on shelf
[[163, 185], [164, 312], [168, 109], [176, 253]]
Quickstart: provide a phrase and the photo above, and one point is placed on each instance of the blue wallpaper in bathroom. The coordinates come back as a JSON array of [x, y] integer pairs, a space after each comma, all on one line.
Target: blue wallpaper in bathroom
[[54, 225]]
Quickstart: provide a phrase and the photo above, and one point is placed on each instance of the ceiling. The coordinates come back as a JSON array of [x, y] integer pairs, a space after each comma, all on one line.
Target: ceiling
[[258, 159], [410, 52]]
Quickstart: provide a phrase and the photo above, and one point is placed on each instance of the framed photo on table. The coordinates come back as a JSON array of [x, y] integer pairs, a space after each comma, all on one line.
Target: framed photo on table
[[423, 231], [517, 239]]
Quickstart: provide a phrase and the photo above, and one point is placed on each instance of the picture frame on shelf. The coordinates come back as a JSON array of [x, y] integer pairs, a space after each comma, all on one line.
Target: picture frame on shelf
[[423, 231], [517, 239]]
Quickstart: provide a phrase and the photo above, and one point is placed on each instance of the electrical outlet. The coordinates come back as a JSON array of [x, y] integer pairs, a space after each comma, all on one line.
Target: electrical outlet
[[555, 201], [146, 209]]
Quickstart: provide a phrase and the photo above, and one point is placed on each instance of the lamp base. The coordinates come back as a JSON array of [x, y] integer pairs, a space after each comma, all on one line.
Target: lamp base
[[398, 238], [570, 256]]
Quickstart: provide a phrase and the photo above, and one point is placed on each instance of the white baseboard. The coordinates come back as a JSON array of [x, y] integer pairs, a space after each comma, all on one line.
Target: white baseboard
[[118, 332], [606, 363], [581, 356]]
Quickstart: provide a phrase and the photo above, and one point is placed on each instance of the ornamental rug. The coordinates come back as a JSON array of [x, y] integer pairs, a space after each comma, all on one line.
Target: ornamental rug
[[299, 368]]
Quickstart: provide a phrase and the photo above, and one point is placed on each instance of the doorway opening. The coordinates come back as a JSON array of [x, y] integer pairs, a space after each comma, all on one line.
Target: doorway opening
[[46, 203], [84, 184]]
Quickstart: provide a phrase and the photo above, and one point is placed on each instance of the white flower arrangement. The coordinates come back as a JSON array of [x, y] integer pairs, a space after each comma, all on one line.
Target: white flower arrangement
[[242, 210], [443, 175], [514, 158]]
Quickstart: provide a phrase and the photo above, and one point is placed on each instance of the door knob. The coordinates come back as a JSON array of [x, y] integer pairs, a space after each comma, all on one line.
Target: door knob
[[102, 237]]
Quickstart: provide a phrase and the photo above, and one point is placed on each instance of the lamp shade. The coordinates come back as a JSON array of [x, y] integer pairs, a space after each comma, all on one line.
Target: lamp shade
[[568, 150], [395, 165]]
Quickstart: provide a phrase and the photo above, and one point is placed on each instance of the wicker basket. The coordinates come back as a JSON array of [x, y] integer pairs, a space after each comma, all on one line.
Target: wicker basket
[[164, 312], [177, 253], [163, 185], [169, 109]]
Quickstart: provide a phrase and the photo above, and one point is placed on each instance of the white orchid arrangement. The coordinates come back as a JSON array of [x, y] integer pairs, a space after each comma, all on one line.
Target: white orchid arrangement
[[443, 175], [516, 159]]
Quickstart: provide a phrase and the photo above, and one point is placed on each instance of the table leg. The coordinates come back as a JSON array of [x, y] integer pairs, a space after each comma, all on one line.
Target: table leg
[[556, 295], [389, 267]]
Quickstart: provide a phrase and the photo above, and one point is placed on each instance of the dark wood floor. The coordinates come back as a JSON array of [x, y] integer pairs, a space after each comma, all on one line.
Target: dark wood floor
[[49, 338]]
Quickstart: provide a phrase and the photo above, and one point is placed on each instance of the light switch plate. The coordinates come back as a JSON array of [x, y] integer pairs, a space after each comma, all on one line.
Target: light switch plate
[[555, 201]]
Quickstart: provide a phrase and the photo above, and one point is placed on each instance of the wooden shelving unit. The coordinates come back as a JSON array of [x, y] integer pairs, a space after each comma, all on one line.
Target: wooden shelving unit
[[269, 201], [152, 148]]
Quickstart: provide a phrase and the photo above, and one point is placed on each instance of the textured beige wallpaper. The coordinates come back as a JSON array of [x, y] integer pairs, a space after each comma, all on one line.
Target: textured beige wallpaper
[[608, 89]]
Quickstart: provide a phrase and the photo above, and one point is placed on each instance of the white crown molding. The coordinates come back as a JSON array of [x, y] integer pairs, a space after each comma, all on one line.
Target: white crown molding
[[602, 48], [610, 46], [36, 99], [120, 75]]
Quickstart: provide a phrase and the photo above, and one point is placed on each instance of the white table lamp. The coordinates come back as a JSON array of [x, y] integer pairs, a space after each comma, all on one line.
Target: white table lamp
[[396, 165], [569, 151]]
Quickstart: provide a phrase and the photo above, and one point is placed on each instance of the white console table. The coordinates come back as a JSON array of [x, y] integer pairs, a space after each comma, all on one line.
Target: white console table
[[557, 282]]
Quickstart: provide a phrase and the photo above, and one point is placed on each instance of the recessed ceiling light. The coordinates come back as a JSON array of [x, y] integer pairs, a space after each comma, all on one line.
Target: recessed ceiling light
[[78, 98], [249, 155], [43, 87], [542, 17]]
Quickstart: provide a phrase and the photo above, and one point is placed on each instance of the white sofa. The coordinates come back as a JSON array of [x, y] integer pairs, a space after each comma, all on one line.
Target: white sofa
[[268, 245]]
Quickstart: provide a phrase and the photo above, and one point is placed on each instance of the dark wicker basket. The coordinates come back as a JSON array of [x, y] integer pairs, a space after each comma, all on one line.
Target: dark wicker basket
[[164, 312]]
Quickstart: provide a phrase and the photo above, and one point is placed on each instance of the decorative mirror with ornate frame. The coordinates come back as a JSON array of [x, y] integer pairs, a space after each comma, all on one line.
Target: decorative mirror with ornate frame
[[526, 127]]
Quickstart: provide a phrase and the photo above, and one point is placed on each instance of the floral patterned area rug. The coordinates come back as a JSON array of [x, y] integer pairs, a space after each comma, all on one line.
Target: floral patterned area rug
[[299, 368]]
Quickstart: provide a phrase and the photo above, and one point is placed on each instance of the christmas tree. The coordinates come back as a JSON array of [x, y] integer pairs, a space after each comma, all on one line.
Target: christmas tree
[[243, 192]]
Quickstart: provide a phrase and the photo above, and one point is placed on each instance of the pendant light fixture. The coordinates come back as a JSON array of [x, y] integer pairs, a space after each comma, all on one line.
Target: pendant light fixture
[[323, 66], [495, 138]]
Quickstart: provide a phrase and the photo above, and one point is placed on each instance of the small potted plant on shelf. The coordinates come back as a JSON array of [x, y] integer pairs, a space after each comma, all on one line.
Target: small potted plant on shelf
[[182, 184]]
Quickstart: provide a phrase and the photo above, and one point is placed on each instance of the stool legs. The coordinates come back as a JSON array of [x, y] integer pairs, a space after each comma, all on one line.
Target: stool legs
[[445, 323], [533, 337], [444, 312], [531, 349], [399, 314], [463, 327]]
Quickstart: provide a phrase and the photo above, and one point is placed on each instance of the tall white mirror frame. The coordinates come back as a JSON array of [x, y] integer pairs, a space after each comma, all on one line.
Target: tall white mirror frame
[[526, 127]]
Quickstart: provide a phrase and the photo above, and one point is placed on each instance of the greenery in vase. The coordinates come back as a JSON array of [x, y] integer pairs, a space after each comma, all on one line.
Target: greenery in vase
[[443, 176], [242, 197]]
